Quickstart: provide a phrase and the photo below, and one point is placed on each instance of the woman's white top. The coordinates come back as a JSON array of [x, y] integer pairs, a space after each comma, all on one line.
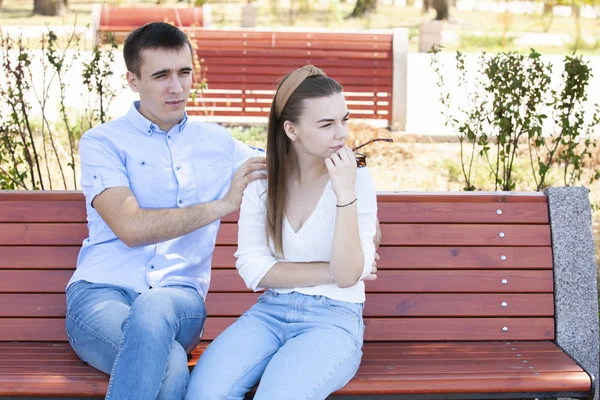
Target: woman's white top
[[312, 242]]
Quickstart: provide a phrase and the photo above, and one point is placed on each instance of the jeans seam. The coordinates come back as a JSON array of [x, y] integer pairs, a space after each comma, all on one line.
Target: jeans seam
[[91, 330], [336, 369], [347, 313], [110, 383], [237, 378]]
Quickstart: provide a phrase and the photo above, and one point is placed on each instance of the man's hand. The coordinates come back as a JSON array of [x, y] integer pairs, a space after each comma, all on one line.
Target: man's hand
[[373, 275], [377, 238], [248, 172]]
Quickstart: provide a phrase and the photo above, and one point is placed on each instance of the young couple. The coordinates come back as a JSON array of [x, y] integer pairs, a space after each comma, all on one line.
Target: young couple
[[156, 187]]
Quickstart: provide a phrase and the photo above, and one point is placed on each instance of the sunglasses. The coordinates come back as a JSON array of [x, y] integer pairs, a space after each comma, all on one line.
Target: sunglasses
[[361, 159]]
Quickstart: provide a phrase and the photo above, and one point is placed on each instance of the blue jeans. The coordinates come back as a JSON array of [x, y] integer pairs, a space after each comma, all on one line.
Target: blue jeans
[[141, 340], [299, 347]]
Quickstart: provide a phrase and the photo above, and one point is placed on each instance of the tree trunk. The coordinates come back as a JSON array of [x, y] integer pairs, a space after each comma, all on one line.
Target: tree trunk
[[49, 7], [363, 7], [426, 5], [441, 9]]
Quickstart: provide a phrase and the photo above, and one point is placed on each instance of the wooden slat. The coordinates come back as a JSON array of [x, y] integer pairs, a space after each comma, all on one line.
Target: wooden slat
[[396, 234], [48, 257], [39, 257], [444, 212], [465, 257], [34, 281], [435, 197], [278, 71], [378, 329], [301, 54], [67, 234], [462, 281], [292, 44], [442, 235], [377, 305], [42, 211], [228, 280], [292, 63], [240, 34]]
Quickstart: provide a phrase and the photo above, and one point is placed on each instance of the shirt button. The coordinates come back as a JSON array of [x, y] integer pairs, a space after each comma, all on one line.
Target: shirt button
[[178, 168], [180, 201], [168, 136], [152, 266], [95, 177]]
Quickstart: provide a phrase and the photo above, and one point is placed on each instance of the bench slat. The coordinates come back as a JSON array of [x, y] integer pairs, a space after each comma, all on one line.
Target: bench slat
[[404, 212], [51, 257], [69, 234], [207, 34], [378, 305], [435, 281], [378, 329]]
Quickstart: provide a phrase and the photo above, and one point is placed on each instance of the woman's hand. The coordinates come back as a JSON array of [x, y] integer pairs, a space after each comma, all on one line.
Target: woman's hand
[[341, 166]]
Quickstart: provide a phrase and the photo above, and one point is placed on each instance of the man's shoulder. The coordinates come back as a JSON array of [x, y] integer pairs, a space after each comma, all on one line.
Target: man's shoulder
[[106, 129]]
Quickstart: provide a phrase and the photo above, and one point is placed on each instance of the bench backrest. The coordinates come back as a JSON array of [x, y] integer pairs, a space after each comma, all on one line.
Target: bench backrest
[[462, 266], [243, 67], [129, 18]]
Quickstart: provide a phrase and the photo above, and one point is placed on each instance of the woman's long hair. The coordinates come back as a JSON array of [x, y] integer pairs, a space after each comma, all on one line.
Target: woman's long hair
[[278, 149]]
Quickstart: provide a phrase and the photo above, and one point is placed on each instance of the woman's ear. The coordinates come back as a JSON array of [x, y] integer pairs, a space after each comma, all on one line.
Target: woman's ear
[[290, 131]]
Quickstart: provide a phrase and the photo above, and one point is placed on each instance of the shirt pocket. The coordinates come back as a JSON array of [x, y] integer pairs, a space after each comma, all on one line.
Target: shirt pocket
[[213, 178], [152, 183]]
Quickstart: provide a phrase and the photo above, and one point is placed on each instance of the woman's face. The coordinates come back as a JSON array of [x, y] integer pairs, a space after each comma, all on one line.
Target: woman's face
[[322, 128]]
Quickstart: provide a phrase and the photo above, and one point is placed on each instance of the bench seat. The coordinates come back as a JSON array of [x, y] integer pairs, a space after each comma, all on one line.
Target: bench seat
[[517, 369]]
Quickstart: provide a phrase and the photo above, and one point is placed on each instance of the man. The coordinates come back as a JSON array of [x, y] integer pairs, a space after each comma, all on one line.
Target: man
[[156, 186]]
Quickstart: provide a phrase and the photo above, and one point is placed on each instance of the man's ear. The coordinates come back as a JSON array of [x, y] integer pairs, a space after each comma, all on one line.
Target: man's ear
[[132, 80], [290, 131]]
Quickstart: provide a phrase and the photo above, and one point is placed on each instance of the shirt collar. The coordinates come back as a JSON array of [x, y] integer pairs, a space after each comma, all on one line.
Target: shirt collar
[[145, 125]]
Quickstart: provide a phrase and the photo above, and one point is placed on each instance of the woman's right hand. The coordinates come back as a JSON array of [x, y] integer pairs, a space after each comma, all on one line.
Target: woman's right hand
[[341, 166]]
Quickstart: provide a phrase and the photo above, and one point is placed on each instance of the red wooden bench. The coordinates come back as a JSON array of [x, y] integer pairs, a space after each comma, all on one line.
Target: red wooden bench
[[463, 307], [120, 21], [242, 68]]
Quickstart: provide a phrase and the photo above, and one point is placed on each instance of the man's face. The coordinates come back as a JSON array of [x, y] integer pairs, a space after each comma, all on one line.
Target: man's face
[[164, 85]]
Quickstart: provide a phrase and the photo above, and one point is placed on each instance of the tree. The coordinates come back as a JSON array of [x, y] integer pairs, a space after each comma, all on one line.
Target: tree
[[363, 7], [49, 7]]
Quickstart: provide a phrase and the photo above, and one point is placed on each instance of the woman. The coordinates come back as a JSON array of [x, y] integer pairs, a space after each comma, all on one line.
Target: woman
[[307, 236]]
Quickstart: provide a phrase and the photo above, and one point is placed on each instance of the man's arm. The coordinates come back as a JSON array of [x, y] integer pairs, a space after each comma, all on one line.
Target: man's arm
[[137, 226]]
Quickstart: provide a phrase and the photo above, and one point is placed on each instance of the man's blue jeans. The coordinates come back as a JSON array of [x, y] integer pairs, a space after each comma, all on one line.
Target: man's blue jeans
[[141, 340], [300, 347]]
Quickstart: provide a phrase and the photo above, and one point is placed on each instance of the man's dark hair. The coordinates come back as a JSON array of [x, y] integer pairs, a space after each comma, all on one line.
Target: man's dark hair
[[155, 35]]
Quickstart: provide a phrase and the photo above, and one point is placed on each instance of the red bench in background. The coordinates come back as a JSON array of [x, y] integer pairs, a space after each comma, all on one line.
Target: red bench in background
[[120, 21], [242, 68]]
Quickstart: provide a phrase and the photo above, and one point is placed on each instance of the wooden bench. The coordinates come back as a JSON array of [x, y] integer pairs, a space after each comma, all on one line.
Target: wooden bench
[[120, 21], [242, 68], [463, 308]]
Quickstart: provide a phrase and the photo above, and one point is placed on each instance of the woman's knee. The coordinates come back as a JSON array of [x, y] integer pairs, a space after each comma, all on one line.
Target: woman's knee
[[177, 374]]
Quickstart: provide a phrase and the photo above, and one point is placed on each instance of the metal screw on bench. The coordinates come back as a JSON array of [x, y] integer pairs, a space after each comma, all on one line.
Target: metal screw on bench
[[499, 212], [505, 329], [504, 304], [501, 234], [504, 281], [503, 257]]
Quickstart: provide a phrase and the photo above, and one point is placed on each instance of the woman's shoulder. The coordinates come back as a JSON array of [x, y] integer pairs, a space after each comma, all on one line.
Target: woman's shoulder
[[257, 189]]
